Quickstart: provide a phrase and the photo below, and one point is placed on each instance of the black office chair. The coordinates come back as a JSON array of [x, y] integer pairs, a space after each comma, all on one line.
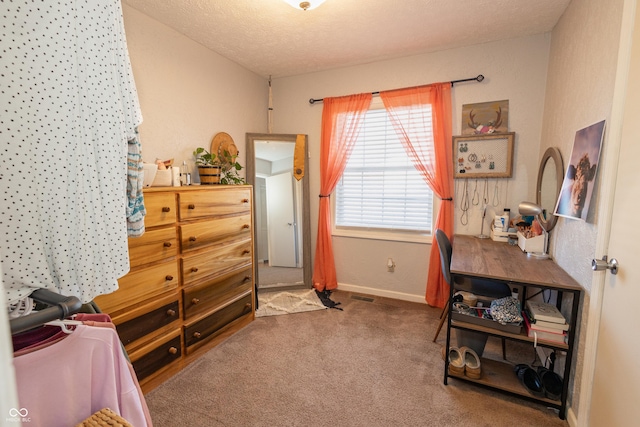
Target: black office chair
[[485, 288]]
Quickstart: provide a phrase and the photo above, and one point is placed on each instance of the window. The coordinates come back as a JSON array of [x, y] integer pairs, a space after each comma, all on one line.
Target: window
[[381, 194]]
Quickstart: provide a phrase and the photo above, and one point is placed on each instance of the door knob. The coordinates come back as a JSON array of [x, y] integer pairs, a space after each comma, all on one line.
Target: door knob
[[604, 264]]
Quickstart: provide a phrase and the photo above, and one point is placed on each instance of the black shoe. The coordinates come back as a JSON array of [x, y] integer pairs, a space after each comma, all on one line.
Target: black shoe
[[551, 382], [530, 380]]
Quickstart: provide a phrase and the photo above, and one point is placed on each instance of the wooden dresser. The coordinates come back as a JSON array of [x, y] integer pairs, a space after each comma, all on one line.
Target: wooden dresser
[[191, 279]]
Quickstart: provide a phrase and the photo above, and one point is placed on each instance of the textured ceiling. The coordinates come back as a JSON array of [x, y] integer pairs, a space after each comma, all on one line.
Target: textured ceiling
[[270, 37]]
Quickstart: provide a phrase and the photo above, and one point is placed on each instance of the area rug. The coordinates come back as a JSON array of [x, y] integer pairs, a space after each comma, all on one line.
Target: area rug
[[287, 302]]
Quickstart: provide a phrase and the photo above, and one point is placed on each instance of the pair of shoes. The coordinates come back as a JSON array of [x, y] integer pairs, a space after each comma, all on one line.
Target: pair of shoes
[[463, 361], [456, 362], [472, 365], [543, 383], [529, 379]]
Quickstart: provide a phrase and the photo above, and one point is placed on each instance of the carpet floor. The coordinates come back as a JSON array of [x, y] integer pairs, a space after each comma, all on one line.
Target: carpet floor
[[372, 364]]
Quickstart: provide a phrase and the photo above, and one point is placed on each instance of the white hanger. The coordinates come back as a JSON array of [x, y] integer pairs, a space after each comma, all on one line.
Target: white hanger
[[65, 324], [21, 308]]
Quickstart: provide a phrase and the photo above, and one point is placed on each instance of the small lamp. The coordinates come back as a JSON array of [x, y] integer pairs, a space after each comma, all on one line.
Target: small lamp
[[533, 209], [304, 5]]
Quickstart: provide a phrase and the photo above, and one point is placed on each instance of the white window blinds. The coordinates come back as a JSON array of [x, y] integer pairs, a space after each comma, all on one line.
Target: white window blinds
[[380, 187]]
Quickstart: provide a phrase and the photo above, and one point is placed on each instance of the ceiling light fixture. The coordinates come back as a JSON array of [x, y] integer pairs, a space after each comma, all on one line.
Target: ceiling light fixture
[[305, 5]]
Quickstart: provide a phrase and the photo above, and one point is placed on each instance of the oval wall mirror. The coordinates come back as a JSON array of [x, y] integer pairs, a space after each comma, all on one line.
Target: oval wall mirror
[[549, 186], [282, 236]]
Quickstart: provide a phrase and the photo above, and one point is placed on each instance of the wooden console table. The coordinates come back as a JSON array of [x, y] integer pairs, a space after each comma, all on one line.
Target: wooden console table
[[486, 259]]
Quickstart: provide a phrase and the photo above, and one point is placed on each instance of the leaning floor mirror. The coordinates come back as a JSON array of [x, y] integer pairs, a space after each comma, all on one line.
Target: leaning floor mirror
[[277, 167]]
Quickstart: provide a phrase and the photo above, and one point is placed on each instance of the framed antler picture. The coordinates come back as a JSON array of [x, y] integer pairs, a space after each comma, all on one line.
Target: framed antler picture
[[483, 156], [485, 117]]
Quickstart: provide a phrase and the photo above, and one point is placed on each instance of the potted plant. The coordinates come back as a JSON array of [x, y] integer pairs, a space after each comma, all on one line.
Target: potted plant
[[208, 166], [222, 169]]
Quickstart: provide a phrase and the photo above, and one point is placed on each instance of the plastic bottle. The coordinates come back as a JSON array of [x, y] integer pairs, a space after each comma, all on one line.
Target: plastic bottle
[[505, 219], [185, 174]]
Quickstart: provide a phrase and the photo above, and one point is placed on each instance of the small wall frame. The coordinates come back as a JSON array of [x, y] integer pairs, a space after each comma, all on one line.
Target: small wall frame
[[483, 156]]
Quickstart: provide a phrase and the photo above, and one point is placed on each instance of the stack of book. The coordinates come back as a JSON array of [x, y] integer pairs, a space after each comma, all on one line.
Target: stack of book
[[545, 322]]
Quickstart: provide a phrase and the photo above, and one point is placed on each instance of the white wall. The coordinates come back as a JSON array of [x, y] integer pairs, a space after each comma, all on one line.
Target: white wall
[[189, 93], [580, 90], [513, 69], [582, 71]]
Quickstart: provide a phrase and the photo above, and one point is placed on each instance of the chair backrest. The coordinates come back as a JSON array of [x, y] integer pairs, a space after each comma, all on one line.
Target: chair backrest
[[488, 288], [444, 246]]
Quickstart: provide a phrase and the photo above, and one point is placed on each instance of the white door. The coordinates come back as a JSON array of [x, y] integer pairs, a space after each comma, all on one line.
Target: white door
[[280, 213], [260, 211], [616, 385]]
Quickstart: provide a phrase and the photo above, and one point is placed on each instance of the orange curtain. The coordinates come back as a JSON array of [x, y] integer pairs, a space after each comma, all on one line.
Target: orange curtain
[[431, 154], [341, 121]]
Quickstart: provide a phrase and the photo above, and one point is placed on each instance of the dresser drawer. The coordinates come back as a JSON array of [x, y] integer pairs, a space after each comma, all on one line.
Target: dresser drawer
[[206, 233], [149, 322], [161, 209], [206, 296], [153, 246], [222, 202], [216, 262], [158, 358], [140, 287], [205, 329]]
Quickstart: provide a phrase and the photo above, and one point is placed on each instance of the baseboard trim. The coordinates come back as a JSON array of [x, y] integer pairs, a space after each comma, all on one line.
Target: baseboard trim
[[571, 417], [382, 293]]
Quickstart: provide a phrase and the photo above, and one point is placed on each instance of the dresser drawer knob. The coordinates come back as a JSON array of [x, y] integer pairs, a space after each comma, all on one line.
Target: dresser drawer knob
[[171, 313], [168, 277], [246, 279], [167, 244], [247, 306], [246, 251], [245, 226], [195, 301], [194, 269], [191, 207], [197, 335], [166, 209], [192, 239], [245, 200], [173, 350]]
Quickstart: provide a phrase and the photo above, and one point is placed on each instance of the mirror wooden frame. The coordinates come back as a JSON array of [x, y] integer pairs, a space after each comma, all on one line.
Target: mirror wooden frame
[[251, 138], [550, 153]]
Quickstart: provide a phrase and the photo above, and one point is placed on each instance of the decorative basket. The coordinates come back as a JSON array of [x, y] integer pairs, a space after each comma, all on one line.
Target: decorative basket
[[209, 175], [105, 417]]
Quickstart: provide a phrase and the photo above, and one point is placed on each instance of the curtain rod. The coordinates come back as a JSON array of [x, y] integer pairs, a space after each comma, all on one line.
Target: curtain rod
[[479, 78]]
